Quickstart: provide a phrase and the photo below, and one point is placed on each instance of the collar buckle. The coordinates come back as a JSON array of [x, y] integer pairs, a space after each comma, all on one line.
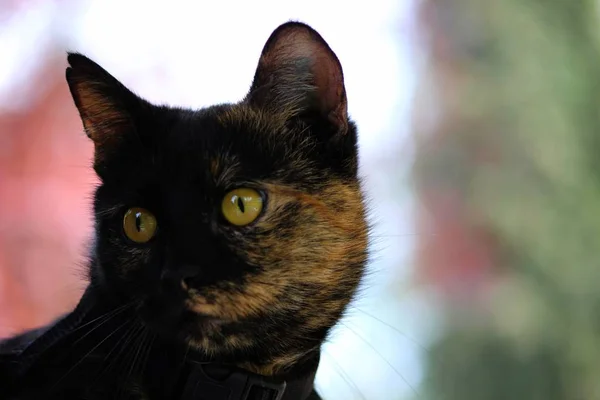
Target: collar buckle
[[213, 382]]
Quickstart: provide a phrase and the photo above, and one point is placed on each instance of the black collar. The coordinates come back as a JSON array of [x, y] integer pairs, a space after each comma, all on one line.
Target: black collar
[[214, 382], [43, 356]]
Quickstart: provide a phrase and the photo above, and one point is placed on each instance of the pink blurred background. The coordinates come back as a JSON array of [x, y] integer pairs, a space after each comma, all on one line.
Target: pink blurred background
[[45, 189]]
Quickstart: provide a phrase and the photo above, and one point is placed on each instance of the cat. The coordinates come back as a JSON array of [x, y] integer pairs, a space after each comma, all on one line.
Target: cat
[[236, 232]]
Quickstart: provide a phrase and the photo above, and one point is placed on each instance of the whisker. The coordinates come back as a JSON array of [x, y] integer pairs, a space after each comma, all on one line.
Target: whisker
[[117, 345], [110, 212], [344, 375], [88, 353], [143, 336], [127, 337], [403, 235], [108, 315], [138, 330], [108, 318], [151, 339], [145, 352], [140, 335], [383, 358], [392, 327]]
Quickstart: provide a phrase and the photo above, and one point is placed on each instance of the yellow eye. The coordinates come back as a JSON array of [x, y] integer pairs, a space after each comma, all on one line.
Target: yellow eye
[[242, 206], [139, 224]]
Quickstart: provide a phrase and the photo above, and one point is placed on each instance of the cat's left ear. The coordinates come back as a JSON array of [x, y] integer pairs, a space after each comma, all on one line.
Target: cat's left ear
[[298, 72], [106, 106]]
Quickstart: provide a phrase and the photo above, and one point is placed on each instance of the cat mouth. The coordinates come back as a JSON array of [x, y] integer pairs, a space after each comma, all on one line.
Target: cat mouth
[[174, 319]]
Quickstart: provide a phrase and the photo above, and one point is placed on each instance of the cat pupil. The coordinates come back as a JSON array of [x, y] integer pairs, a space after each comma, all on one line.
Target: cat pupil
[[240, 204], [138, 221]]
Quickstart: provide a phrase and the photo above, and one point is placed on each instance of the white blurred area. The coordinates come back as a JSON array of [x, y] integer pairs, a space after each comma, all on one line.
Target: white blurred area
[[197, 53]]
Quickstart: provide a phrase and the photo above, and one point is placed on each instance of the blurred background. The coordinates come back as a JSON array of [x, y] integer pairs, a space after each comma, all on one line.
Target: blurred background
[[479, 127]]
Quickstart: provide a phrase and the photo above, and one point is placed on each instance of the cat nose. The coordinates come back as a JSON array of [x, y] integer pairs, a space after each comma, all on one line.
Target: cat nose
[[180, 277]]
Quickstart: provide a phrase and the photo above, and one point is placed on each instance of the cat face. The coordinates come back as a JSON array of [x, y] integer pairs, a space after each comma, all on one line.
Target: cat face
[[238, 228]]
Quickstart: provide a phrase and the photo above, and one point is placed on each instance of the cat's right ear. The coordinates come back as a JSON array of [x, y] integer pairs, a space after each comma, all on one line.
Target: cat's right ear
[[105, 105], [299, 72]]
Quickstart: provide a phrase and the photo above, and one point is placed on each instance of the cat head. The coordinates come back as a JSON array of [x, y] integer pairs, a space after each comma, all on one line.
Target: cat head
[[238, 228]]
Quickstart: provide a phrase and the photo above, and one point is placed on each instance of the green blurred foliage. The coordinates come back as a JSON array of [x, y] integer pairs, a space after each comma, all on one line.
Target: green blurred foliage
[[529, 99]]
